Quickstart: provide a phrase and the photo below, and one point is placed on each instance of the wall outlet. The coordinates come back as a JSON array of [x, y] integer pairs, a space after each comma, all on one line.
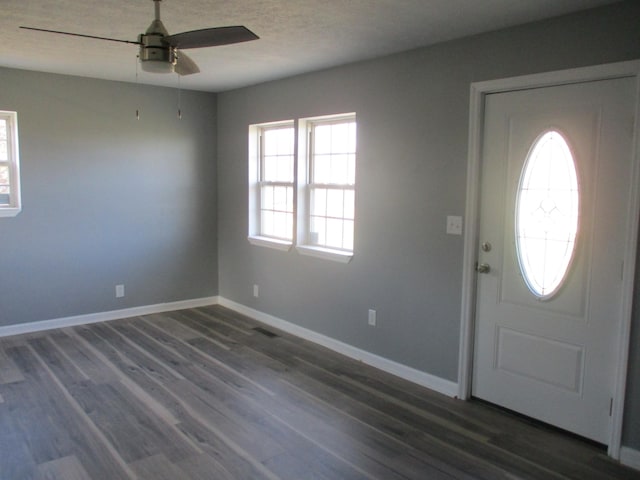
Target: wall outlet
[[119, 291], [256, 291], [372, 318]]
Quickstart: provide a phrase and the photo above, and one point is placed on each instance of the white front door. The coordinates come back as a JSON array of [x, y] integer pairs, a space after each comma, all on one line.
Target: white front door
[[555, 170]]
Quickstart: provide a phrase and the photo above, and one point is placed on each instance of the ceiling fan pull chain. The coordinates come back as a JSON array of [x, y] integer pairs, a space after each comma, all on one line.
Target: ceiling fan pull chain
[[137, 87], [179, 99]]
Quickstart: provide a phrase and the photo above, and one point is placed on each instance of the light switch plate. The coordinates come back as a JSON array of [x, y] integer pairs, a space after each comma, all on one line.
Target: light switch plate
[[454, 225]]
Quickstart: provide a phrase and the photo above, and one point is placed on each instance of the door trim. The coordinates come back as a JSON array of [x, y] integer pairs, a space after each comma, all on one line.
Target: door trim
[[479, 91]]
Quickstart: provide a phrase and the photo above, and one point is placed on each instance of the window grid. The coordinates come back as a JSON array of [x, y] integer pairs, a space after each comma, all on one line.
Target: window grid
[[332, 183], [276, 182]]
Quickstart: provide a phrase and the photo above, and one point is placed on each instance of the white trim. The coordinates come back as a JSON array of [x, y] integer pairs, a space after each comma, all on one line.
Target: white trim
[[440, 385], [630, 457], [325, 253], [478, 91], [631, 246], [13, 162], [268, 242], [9, 211], [43, 325]]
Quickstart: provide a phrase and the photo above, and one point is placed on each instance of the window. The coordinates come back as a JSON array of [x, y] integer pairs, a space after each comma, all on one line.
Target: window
[[276, 182], [302, 185], [331, 183], [272, 175], [9, 165], [547, 214]]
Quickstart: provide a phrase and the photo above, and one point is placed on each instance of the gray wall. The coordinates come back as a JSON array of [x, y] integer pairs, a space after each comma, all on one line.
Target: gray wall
[[107, 199], [412, 137]]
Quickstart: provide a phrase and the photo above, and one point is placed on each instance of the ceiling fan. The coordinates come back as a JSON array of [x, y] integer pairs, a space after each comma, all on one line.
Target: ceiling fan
[[161, 52]]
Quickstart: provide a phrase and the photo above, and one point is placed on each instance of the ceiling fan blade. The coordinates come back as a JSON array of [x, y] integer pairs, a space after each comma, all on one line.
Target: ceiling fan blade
[[184, 65], [80, 35], [211, 37]]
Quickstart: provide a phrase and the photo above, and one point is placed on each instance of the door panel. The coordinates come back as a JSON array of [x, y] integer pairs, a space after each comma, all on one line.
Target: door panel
[[553, 359]]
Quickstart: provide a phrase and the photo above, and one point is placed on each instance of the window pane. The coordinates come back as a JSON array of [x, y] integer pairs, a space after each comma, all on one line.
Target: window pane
[[4, 152], [278, 141], [267, 198], [339, 169], [280, 199], [4, 175], [285, 168], [319, 202], [270, 169], [5, 189], [348, 235], [289, 206], [318, 231], [322, 139], [3, 129], [266, 223], [277, 211], [280, 225], [334, 233], [322, 169], [351, 170], [341, 138], [349, 204], [335, 203], [277, 154]]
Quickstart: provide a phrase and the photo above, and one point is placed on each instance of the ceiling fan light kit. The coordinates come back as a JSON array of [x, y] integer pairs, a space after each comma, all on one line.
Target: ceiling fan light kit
[[160, 52]]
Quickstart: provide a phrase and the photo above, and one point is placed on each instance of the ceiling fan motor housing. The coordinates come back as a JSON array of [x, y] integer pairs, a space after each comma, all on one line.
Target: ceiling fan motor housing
[[156, 55]]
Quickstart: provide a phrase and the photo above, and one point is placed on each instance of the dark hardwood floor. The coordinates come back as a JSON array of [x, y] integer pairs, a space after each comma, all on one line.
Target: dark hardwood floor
[[208, 394]]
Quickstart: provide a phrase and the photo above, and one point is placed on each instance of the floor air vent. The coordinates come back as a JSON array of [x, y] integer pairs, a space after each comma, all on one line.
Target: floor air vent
[[265, 332]]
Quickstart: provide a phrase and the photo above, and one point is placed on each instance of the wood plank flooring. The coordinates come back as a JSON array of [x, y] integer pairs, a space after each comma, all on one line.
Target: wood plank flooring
[[209, 394]]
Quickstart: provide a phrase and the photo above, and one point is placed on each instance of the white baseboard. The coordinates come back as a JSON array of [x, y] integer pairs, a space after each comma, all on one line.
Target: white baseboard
[[432, 382], [630, 457], [104, 316]]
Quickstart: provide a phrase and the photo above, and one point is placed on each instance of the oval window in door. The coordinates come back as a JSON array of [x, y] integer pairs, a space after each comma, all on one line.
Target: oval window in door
[[547, 210]]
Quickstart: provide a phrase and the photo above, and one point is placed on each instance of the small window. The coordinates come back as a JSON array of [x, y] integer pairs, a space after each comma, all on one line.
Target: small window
[[547, 213], [272, 193], [9, 165], [331, 183]]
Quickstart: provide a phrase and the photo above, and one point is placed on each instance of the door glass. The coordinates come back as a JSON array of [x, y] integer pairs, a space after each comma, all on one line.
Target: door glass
[[547, 214]]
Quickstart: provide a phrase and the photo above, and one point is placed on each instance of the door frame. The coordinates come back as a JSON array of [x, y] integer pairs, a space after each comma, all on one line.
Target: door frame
[[479, 91]]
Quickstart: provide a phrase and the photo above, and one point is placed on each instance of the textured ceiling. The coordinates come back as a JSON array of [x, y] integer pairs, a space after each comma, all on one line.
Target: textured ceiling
[[296, 35]]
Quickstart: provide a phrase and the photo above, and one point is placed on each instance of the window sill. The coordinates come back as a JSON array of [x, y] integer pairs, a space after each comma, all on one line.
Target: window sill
[[274, 243], [9, 212], [325, 253]]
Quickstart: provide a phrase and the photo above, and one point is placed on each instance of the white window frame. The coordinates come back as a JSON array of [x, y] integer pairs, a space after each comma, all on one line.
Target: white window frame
[[306, 183], [256, 183], [13, 162], [302, 189]]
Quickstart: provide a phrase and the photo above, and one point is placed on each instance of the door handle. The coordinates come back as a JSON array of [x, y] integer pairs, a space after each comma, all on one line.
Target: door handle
[[483, 268]]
